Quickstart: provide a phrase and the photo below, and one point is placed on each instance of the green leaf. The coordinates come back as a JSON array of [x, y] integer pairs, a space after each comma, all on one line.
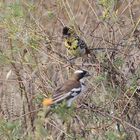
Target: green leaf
[[50, 14]]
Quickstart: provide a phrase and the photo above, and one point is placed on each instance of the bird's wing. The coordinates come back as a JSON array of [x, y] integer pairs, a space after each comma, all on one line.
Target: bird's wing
[[66, 90]]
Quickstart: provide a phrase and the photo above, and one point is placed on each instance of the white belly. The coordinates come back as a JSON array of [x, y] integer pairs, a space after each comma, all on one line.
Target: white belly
[[75, 94]]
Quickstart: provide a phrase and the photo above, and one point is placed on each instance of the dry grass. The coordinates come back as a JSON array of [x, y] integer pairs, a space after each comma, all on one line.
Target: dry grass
[[33, 63]]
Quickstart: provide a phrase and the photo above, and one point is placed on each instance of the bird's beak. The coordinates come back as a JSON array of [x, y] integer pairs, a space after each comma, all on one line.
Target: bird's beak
[[87, 74]]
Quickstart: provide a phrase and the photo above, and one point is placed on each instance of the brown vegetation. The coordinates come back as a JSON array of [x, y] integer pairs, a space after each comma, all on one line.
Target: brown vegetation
[[33, 62]]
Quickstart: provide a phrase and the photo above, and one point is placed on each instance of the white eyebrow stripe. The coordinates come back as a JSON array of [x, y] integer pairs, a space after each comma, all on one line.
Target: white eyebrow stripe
[[78, 71]]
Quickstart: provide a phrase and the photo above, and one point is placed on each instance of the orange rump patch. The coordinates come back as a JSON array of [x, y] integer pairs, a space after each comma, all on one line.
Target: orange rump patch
[[47, 101]]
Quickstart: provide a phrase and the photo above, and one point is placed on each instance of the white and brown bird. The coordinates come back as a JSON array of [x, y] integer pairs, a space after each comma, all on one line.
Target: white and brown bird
[[69, 90]]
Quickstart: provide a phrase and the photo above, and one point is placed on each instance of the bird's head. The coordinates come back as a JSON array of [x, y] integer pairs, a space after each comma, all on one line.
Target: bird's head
[[67, 32], [79, 74]]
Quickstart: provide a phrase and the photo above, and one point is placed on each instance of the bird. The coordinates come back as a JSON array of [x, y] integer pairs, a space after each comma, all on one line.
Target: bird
[[74, 44], [69, 90], [77, 47]]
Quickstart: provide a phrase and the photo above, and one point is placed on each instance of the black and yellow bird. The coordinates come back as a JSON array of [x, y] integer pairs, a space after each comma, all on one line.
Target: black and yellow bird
[[75, 45]]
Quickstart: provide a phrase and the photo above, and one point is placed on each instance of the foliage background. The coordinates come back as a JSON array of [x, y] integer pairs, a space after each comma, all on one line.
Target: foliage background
[[33, 63]]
